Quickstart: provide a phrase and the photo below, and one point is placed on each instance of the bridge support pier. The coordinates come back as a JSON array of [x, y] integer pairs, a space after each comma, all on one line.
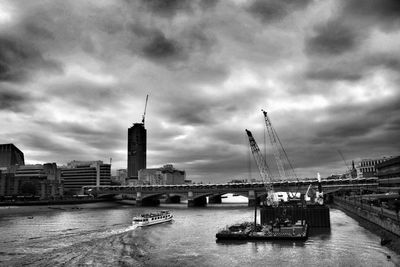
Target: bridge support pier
[[147, 202], [173, 199], [252, 199], [140, 201], [197, 202], [214, 200]]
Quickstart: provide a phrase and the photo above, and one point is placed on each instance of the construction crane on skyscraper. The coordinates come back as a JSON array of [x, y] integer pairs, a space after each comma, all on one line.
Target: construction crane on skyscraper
[[145, 107]]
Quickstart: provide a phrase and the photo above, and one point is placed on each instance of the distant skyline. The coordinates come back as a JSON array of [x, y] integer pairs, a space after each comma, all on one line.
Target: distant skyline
[[74, 76]]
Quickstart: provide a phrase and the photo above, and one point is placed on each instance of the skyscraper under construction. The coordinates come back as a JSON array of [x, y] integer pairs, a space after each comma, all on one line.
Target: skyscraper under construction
[[136, 149]]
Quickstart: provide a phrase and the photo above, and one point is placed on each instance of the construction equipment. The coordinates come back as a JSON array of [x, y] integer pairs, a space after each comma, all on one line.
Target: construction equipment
[[345, 163], [145, 107], [280, 155], [265, 173], [319, 198]]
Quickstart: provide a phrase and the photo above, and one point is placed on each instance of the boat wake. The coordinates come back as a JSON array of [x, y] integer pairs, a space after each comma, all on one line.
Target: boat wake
[[77, 243]]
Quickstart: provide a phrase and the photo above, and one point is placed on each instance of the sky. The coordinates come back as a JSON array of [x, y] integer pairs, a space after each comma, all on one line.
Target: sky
[[74, 76]]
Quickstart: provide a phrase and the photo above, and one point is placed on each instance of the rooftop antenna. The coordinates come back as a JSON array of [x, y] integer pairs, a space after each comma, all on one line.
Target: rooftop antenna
[[145, 107]]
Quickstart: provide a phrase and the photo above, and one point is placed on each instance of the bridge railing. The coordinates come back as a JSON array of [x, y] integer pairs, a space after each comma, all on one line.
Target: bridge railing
[[252, 185]]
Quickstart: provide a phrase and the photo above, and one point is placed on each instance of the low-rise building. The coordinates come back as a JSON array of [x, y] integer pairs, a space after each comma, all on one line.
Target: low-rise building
[[162, 176], [10, 155], [366, 167], [40, 180], [388, 173], [85, 173], [122, 175]]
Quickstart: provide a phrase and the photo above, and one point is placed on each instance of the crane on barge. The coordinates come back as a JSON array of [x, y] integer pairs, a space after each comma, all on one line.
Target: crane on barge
[[265, 172], [280, 154]]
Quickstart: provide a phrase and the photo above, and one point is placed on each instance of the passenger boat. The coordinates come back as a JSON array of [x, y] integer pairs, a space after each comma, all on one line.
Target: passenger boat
[[152, 218]]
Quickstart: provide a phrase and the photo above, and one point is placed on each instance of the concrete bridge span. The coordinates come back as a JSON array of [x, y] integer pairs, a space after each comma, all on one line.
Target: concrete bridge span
[[196, 194]]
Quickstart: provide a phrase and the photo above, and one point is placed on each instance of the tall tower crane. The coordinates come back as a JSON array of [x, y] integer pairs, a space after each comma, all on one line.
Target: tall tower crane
[[145, 107], [263, 169], [280, 155]]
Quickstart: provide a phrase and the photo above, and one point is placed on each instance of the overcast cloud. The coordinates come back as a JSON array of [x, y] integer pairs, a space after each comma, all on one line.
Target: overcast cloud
[[74, 77]]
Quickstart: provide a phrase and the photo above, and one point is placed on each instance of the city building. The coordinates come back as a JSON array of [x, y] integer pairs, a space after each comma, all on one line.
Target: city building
[[388, 173], [122, 176], [351, 172], [366, 167], [81, 173], [41, 180], [136, 149], [10, 156], [162, 176]]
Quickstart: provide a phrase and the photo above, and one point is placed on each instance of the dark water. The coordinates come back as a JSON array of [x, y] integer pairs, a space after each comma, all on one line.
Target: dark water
[[101, 235]]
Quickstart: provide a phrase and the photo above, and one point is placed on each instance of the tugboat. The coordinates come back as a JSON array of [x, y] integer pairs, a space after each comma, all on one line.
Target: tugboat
[[152, 218]]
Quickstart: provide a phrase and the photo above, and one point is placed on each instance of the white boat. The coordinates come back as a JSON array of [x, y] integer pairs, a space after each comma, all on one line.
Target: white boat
[[152, 218]]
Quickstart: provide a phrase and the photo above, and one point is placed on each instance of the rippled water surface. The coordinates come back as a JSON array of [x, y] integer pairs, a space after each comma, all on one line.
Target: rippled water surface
[[101, 234]]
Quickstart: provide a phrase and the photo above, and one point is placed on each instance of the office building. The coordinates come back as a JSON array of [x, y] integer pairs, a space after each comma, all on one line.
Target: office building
[[388, 173], [83, 173], [10, 156], [366, 167], [136, 149], [40, 180], [122, 176], [165, 175]]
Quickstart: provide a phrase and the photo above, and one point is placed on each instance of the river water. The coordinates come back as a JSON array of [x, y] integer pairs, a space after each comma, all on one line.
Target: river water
[[100, 234]]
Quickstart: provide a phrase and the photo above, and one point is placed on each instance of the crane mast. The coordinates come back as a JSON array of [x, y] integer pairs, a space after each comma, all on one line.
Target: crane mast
[[279, 152]]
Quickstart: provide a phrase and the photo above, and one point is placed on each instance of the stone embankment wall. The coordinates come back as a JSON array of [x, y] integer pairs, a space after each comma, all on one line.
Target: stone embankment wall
[[372, 214]]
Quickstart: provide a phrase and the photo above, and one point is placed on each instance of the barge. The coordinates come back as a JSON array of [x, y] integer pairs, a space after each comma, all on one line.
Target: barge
[[277, 231]]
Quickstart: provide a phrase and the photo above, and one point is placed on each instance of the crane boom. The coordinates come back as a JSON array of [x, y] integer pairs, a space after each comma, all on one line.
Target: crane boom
[[280, 155], [263, 169], [260, 161], [145, 107], [273, 141], [345, 163]]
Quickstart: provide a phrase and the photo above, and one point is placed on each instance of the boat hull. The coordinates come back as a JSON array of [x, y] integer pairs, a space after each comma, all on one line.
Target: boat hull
[[285, 233], [153, 222]]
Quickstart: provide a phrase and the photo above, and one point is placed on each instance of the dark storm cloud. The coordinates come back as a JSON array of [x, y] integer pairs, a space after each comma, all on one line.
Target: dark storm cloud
[[192, 108], [383, 12], [357, 121], [34, 29], [14, 101], [18, 58], [152, 43], [45, 143], [86, 94], [159, 47], [332, 74], [332, 38], [272, 10], [94, 135], [167, 7], [388, 61]]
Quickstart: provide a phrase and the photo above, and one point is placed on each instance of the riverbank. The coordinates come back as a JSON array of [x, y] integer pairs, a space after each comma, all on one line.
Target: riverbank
[[51, 202], [389, 239], [31, 210]]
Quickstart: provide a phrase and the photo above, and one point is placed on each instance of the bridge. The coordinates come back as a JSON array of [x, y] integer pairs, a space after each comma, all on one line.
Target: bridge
[[196, 194]]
